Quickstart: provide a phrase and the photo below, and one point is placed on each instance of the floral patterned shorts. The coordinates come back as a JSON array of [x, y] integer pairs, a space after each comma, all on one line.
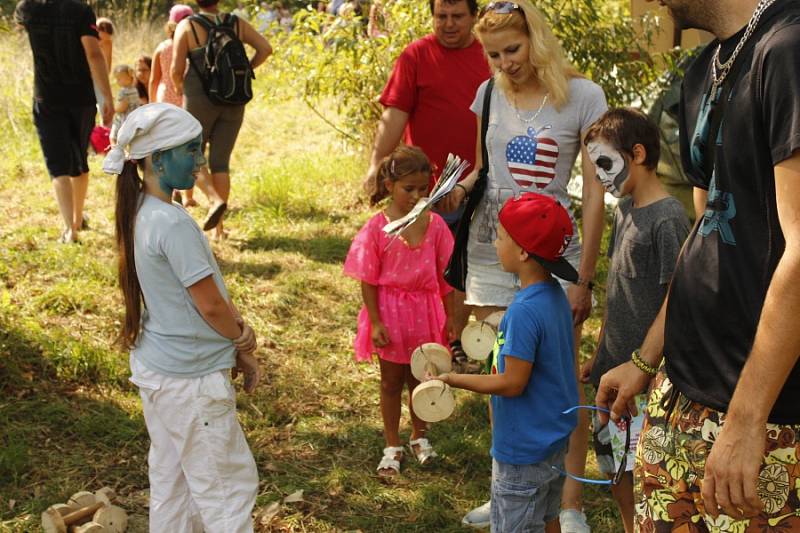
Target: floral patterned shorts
[[670, 461]]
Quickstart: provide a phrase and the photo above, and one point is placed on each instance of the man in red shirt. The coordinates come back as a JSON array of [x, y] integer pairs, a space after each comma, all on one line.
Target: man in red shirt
[[428, 95]]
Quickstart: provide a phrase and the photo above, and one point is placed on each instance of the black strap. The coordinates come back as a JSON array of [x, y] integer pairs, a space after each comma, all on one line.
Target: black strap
[[717, 113], [205, 23], [480, 185]]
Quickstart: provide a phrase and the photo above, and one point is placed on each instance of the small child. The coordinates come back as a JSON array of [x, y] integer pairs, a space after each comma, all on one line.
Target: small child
[[185, 341], [127, 98], [532, 381], [141, 71], [403, 288], [649, 229]]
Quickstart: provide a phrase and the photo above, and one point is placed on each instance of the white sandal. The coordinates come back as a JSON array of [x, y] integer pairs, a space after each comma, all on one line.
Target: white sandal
[[424, 451], [390, 460]]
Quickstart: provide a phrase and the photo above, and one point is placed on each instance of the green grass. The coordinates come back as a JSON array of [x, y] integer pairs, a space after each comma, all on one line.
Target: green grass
[[70, 420]]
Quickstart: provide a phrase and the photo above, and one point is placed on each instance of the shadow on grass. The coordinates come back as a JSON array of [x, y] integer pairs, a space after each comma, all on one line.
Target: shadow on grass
[[55, 439], [267, 270], [329, 249], [334, 456]]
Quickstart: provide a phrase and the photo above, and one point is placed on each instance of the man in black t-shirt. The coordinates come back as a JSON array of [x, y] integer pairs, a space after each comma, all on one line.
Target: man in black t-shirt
[[721, 442], [66, 58]]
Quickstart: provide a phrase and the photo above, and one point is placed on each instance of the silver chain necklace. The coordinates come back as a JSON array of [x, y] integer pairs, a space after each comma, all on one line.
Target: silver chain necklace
[[535, 115], [720, 70]]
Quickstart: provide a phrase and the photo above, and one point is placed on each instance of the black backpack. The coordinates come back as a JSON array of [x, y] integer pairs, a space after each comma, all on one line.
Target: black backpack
[[226, 72]]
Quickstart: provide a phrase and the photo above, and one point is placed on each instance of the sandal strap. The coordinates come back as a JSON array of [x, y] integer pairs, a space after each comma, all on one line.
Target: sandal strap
[[391, 451], [389, 461], [422, 442], [425, 449]]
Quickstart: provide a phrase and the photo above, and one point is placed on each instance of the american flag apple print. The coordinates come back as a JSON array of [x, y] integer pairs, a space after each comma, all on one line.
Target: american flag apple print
[[532, 159]]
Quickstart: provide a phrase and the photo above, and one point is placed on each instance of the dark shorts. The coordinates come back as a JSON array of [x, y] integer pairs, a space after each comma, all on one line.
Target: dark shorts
[[64, 136], [221, 126]]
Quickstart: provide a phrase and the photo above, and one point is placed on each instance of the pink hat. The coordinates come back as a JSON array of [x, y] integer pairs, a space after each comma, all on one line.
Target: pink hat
[[178, 12]]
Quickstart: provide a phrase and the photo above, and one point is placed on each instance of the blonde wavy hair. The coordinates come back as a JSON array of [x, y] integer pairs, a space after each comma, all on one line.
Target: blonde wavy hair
[[547, 57]]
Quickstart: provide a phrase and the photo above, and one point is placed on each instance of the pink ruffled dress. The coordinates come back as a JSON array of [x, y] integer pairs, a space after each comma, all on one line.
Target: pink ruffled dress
[[410, 287]]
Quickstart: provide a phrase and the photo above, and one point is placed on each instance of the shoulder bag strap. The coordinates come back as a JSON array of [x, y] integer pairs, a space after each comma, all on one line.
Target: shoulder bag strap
[[480, 184]]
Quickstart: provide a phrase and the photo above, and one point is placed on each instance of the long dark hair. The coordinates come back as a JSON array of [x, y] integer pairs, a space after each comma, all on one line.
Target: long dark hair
[[404, 160], [128, 200]]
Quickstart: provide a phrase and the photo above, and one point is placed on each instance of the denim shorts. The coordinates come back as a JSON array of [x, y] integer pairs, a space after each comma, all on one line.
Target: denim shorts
[[526, 497]]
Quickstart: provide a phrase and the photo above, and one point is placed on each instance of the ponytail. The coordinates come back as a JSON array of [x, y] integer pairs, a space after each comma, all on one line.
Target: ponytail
[[129, 189]]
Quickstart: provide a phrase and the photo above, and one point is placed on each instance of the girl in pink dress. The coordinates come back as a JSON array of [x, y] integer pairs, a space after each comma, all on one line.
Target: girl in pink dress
[[404, 293]]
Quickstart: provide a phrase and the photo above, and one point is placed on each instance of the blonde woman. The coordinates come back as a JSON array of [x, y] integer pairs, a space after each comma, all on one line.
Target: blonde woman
[[539, 110]]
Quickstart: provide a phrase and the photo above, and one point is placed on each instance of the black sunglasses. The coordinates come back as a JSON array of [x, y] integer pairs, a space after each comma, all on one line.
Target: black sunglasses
[[623, 463], [502, 8]]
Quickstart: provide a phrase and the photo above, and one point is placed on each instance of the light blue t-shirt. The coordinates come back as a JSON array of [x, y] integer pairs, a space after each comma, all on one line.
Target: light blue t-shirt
[[537, 327], [171, 254]]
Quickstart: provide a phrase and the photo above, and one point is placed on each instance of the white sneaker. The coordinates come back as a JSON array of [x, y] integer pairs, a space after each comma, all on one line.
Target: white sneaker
[[478, 517], [573, 521]]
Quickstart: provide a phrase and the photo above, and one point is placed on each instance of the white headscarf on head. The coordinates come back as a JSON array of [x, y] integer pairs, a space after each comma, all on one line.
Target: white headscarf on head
[[150, 128]]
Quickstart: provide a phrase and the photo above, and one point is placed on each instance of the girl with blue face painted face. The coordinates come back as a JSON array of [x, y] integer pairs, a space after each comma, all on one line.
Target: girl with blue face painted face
[[177, 167], [183, 332]]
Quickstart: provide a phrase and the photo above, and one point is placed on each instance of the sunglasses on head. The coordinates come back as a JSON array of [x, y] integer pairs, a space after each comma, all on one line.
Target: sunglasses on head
[[502, 8], [623, 462]]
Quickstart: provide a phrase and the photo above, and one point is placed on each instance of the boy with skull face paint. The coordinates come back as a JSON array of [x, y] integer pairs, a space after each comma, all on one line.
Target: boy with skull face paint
[[649, 229]]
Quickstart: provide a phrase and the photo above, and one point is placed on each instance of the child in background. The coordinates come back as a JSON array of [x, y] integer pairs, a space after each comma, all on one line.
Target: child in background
[[127, 98], [532, 381], [404, 293], [649, 229], [160, 85], [141, 70], [105, 32], [188, 337]]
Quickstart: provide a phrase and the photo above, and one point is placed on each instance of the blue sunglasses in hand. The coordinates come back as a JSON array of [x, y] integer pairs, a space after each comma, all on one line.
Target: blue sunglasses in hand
[[623, 463]]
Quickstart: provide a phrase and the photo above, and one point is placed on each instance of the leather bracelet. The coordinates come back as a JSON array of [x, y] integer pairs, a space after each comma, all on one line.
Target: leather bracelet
[[466, 192], [642, 365]]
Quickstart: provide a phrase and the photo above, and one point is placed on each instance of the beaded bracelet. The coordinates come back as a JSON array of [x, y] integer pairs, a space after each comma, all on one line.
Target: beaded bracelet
[[642, 365]]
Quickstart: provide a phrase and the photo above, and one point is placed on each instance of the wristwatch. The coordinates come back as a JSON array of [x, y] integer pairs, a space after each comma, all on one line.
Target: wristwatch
[[585, 282]]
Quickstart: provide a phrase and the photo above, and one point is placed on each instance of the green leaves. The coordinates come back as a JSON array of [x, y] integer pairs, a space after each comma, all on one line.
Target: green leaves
[[327, 58]]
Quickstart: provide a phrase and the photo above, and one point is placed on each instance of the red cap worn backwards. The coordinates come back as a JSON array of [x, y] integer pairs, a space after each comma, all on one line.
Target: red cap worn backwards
[[542, 227]]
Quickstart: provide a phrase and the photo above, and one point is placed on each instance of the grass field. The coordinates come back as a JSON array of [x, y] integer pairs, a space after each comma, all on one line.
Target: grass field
[[70, 420]]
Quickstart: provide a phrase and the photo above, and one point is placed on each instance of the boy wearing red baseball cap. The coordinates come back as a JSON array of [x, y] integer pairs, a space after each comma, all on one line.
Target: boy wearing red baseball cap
[[533, 372]]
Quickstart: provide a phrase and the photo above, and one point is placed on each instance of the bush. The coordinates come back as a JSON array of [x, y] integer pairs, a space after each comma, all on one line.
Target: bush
[[325, 60]]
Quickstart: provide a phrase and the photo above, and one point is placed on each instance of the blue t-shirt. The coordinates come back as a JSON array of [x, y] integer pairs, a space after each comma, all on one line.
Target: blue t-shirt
[[537, 327]]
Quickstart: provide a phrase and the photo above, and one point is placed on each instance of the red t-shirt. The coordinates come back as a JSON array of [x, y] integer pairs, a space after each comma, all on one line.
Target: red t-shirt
[[435, 86]]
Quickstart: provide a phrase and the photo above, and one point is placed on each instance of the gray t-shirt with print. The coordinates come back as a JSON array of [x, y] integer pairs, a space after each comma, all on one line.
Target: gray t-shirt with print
[[644, 247], [172, 254], [535, 156]]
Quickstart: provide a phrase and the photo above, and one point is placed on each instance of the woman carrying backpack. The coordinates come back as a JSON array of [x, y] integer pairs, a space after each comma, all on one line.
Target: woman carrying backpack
[[220, 117]]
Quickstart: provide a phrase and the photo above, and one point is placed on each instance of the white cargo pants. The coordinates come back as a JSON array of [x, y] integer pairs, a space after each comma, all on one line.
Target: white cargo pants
[[202, 474]]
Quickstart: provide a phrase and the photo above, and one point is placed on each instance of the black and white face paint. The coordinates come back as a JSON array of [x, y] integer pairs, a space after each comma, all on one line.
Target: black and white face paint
[[612, 166]]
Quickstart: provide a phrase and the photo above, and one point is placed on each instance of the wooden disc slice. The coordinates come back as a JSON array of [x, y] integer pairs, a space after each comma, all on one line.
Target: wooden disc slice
[[90, 527], [430, 355], [114, 519], [81, 499], [433, 401], [477, 339], [494, 319]]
